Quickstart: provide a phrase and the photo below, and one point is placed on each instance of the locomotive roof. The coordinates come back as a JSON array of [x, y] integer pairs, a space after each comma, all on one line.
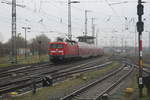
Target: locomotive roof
[[57, 42], [63, 42]]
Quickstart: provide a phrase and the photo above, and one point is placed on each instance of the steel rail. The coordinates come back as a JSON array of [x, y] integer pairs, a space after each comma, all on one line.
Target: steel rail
[[136, 66], [114, 85], [28, 81], [22, 69], [70, 96], [63, 74], [9, 72], [13, 67], [48, 71]]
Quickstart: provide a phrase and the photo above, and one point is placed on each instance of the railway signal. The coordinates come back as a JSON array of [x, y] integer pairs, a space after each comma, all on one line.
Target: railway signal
[[93, 27], [25, 29], [140, 29]]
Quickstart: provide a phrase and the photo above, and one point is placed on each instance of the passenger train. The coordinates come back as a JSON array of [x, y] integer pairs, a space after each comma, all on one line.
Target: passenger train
[[68, 49]]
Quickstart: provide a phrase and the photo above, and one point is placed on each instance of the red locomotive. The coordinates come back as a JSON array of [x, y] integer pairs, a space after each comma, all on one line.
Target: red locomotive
[[60, 50]]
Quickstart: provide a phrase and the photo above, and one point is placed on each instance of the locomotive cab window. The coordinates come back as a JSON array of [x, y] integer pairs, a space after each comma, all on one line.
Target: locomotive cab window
[[56, 46]]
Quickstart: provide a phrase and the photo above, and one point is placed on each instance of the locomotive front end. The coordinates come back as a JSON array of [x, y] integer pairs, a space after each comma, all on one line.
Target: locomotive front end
[[56, 51]]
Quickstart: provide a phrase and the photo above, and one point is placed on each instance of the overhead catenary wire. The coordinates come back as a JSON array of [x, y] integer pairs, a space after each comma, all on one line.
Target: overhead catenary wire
[[29, 9], [57, 16], [115, 13], [113, 10], [59, 7], [57, 19], [47, 18]]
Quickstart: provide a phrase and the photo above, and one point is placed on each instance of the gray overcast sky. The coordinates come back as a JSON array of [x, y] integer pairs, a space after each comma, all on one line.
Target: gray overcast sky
[[44, 16]]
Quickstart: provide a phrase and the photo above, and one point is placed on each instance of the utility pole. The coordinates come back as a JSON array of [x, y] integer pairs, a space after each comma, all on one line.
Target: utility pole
[[13, 29], [113, 44], [140, 29], [122, 40], [93, 30], [149, 41], [10, 3], [125, 45], [135, 40], [69, 18], [93, 27], [97, 31], [85, 22], [17, 46], [25, 44], [39, 53], [13, 47]]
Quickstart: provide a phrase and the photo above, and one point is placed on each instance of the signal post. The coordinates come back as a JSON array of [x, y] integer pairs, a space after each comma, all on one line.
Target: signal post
[[140, 29]]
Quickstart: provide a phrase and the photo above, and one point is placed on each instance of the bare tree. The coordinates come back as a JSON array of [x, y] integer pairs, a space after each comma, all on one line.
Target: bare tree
[[39, 43], [1, 49], [6, 47]]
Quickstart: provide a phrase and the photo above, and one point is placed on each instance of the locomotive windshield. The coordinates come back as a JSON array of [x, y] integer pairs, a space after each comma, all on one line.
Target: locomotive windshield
[[56, 46]]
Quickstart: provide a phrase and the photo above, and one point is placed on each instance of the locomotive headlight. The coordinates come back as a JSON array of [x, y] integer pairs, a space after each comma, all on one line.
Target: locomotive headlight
[[52, 51], [60, 51]]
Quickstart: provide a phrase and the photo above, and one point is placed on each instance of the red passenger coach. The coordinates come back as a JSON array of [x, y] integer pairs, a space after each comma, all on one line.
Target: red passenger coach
[[84, 48], [87, 47]]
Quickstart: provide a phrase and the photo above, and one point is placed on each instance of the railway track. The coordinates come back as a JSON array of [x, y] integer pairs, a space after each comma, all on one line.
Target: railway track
[[21, 70], [4, 74], [43, 70], [96, 89], [145, 69], [16, 68], [29, 70], [27, 80], [134, 63]]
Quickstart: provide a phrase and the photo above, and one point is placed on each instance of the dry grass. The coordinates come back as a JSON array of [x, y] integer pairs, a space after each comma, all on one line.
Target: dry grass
[[5, 61], [135, 96]]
